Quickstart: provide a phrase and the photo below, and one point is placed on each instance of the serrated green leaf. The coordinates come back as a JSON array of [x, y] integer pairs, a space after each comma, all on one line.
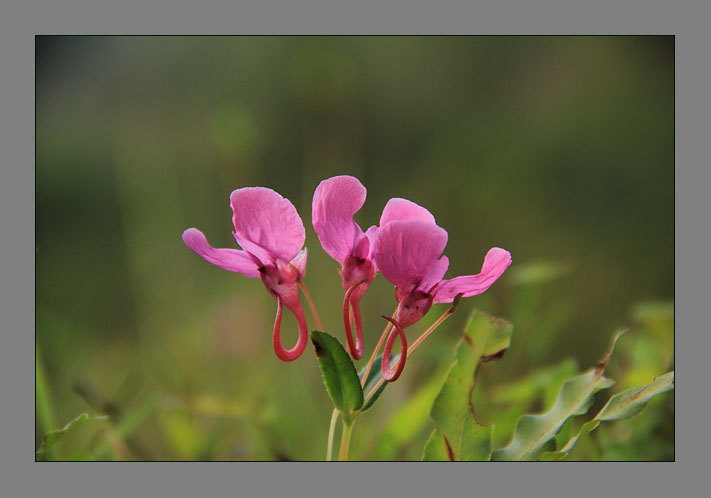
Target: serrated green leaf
[[629, 403], [53, 436], [436, 447], [339, 374], [459, 436], [374, 377], [620, 406], [533, 432], [475, 444]]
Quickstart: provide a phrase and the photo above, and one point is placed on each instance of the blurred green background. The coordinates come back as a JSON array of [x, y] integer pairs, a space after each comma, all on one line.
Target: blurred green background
[[559, 149]]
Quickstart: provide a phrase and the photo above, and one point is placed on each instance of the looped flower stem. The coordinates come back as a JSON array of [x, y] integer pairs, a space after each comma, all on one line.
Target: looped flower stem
[[389, 374], [293, 353], [355, 350]]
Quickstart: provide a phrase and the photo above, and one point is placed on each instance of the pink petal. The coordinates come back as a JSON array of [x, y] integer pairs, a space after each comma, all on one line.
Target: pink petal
[[299, 262], [495, 264], [402, 209], [434, 274], [335, 202], [227, 259], [372, 234], [361, 249], [406, 250], [266, 224]]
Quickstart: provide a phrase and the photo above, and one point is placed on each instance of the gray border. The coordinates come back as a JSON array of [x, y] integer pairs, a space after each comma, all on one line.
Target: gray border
[[19, 22]]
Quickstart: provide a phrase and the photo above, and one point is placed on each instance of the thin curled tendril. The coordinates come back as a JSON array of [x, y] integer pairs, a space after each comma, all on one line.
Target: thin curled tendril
[[356, 350], [389, 374], [293, 353]]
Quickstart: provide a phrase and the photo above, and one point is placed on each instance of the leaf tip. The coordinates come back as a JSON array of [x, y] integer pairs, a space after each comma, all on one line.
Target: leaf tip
[[494, 356], [318, 349]]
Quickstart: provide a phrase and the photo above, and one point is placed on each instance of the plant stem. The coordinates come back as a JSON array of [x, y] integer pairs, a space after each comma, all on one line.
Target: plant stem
[[377, 347], [345, 439], [331, 431], [432, 328], [311, 304]]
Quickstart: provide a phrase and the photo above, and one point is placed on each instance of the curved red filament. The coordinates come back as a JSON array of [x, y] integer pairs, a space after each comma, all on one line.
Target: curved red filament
[[389, 374], [355, 350], [293, 353]]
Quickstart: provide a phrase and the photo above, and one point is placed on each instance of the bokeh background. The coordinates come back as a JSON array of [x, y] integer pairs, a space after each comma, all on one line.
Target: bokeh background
[[559, 149]]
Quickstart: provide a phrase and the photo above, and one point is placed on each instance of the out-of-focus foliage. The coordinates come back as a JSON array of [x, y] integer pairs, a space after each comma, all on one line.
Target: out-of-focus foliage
[[52, 437], [533, 433], [559, 149], [459, 435], [619, 407]]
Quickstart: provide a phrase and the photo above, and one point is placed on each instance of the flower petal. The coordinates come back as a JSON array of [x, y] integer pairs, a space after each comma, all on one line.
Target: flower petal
[[495, 264], [299, 262], [406, 250], [372, 234], [402, 209], [335, 202], [227, 259], [266, 224], [435, 273]]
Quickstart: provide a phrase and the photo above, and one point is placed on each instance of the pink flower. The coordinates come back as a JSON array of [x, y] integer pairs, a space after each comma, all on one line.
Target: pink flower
[[408, 255], [335, 202], [271, 233]]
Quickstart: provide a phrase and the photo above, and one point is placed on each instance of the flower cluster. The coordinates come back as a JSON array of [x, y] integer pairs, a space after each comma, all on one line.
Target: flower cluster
[[406, 248]]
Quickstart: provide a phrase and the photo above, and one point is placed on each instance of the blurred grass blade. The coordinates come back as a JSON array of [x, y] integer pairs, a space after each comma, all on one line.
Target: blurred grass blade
[[620, 406], [458, 434], [43, 403], [52, 437], [409, 420], [218, 406], [339, 373], [543, 383], [132, 421], [535, 433]]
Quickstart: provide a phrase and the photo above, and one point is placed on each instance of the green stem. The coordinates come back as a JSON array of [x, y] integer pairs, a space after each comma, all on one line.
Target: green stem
[[311, 303], [345, 439], [331, 431]]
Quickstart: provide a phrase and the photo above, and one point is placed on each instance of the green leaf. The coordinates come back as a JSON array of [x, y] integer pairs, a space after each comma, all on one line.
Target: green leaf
[[534, 432], [629, 403], [374, 377], [52, 437], [458, 434], [620, 406], [339, 374], [436, 447]]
